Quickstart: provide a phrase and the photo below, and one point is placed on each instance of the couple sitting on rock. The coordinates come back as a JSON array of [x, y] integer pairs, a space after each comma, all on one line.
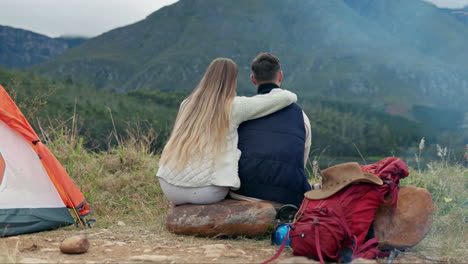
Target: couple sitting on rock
[[252, 148]]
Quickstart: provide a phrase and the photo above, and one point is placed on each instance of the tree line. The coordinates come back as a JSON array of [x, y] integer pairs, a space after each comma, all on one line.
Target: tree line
[[103, 117]]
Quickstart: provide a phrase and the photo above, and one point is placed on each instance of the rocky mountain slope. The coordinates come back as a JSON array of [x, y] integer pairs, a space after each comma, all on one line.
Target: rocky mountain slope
[[460, 14], [21, 48], [400, 51]]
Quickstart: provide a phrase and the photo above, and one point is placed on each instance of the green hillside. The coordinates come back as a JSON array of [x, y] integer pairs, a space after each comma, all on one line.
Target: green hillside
[[421, 25], [338, 128], [50, 103], [407, 52]]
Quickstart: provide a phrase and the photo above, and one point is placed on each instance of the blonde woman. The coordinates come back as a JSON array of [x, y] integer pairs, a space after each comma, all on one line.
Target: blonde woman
[[199, 162]]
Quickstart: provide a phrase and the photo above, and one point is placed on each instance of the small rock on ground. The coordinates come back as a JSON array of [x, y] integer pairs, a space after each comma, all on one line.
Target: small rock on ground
[[75, 245]]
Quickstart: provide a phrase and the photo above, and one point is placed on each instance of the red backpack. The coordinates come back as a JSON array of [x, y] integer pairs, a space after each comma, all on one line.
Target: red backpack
[[337, 228]]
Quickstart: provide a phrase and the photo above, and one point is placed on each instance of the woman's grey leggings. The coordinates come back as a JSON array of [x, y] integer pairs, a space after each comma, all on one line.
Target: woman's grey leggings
[[193, 195]]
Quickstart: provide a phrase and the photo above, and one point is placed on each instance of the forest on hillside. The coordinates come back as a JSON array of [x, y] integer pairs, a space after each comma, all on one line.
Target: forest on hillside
[[102, 118]]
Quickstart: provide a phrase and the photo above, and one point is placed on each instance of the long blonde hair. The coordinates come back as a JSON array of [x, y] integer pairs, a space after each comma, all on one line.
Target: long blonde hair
[[204, 118]]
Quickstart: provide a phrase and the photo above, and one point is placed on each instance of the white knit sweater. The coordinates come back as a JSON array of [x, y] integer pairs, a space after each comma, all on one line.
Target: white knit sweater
[[224, 172]]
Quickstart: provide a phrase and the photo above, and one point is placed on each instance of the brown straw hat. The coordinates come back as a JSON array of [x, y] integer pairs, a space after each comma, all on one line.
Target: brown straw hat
[[339, 176]]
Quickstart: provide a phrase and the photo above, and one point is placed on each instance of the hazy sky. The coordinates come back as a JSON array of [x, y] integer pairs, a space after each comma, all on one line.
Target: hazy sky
[[75, 17], [450, 3], [93, 17]]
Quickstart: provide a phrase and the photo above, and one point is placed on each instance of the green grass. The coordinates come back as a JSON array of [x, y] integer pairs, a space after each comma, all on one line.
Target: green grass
[[448, 186], [121, 184]]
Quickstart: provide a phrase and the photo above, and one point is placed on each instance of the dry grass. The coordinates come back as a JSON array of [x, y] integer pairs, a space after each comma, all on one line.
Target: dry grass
[[120, 184], [448, 187]]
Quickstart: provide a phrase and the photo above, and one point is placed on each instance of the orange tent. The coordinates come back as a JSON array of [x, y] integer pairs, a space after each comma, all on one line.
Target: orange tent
[[35, 189]]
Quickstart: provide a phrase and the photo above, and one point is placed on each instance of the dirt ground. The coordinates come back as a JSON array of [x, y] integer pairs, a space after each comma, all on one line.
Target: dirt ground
[[134, 245]]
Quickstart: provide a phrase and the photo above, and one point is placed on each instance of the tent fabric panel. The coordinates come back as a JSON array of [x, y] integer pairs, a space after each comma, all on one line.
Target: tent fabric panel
[[29, 220], [12, 116], [71, 195], [25, 183]]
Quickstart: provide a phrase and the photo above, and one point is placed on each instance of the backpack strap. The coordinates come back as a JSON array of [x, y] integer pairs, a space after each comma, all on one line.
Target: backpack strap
[[350, 239], [394, 187], [317, 242], [368, 250], [280, 250]]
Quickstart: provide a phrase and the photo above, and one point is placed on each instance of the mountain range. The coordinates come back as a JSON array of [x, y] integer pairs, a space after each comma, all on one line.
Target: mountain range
[[372, 51], [350, 61], [21, 48], [460, 14]]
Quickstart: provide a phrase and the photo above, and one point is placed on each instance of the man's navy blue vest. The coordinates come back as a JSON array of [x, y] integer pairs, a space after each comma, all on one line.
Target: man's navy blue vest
[[271, 166]]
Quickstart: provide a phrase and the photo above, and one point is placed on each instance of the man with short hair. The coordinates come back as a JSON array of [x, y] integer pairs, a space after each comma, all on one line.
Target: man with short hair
[[274, 148]]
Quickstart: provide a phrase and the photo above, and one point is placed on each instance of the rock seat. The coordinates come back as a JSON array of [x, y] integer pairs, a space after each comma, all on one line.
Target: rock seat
[[226, 218]]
